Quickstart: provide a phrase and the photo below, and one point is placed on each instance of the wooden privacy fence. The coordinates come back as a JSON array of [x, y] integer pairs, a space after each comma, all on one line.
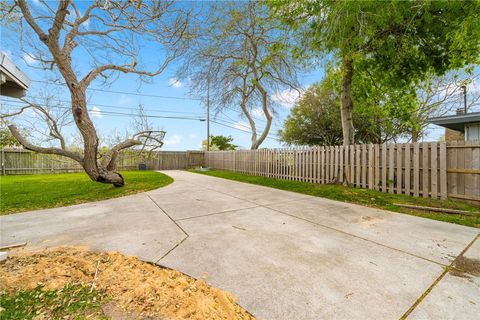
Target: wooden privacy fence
[[169, 160], [19, 161], [437, 170]]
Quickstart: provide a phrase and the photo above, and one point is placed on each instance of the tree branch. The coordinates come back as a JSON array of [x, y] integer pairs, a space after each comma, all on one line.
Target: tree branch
[[31, 21], [108, 161], [85, 82], [27, 145]]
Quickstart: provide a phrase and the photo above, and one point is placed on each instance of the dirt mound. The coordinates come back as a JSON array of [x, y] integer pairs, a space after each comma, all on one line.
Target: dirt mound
[[133, 285]]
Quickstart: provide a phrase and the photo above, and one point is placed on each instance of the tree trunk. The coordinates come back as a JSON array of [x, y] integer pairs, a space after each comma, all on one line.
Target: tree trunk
[[415, 136], [347, 104], [85, 125], [266, 130]]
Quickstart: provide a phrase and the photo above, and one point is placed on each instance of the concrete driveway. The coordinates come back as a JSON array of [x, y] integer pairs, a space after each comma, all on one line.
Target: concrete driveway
[[284, 255]]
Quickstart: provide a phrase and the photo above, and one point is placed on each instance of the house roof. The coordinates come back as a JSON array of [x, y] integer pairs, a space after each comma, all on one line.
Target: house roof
[[456, 122], [13, 82]]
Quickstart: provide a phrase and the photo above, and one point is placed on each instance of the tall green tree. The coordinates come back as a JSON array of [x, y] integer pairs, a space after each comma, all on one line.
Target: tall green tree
[[316, 120], [398, 43]]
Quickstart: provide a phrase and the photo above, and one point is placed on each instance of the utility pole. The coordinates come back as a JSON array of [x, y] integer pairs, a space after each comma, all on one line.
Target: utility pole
[[464, 87], [208, 113]]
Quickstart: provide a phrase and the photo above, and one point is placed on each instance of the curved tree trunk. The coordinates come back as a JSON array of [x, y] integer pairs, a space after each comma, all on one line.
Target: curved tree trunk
[[266, 130], [347, 103]]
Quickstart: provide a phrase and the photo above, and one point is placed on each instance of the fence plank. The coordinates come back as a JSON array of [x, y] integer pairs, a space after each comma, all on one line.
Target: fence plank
[[407, 168], [399, 165], [384, 167], [416, 169], [391, 168], [425, 184], [324, 175], [433, 170], [371, 166], [377, 167]]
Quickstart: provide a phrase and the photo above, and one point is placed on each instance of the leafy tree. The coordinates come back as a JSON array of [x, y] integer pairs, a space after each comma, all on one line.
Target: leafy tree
[[399, 43], [316, 120], [6, 137], [220, 143]]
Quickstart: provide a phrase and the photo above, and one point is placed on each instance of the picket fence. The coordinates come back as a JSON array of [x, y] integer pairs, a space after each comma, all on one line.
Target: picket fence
[[435, 169]]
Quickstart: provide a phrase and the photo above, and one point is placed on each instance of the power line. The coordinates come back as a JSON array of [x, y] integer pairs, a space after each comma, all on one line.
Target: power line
[[239, 124], [253, 117], [122, 114], [139, 94], [129, 115], [111, 106], [121, 92], [235, 128], [136, 109]]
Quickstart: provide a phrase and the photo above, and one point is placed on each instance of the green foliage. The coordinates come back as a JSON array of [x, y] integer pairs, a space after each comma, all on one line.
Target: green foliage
[[315, 118], [366, 197], [401, 40], [30, 192], [6, 138], [392, 45], [378, 117], [71, 302], [220, 143]]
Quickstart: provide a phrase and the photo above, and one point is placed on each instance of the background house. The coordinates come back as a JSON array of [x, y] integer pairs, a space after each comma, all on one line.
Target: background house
[[13, 82], [462, 126]]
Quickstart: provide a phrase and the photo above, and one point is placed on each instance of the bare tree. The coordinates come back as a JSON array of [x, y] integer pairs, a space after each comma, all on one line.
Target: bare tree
[[441, 95], [244, 55], [109, 34]]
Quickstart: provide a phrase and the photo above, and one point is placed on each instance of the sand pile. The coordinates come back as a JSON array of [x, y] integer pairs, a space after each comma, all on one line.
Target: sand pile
[[132, 284]]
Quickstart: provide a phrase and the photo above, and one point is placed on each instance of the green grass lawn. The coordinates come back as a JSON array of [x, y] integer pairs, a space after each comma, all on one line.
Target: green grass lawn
[[30, 192], [366, 197], [70, 302]]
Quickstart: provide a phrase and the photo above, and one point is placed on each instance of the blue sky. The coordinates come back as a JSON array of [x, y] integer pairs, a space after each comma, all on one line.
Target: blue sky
[[182, 134]]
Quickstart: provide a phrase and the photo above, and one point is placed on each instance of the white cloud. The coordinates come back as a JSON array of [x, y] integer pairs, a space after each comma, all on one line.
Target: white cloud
[[192, 136], [96, 112], [174, 83], [86, 23], [29, 59], [124, 100], [174, 140], [287, 97], [257, 112]]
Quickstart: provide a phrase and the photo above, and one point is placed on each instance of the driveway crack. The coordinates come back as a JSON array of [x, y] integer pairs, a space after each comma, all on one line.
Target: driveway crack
[[355, 236], [447, 269], [178, 226]]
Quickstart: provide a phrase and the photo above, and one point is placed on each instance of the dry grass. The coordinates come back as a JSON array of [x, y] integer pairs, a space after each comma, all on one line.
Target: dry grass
[[133, 285]]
